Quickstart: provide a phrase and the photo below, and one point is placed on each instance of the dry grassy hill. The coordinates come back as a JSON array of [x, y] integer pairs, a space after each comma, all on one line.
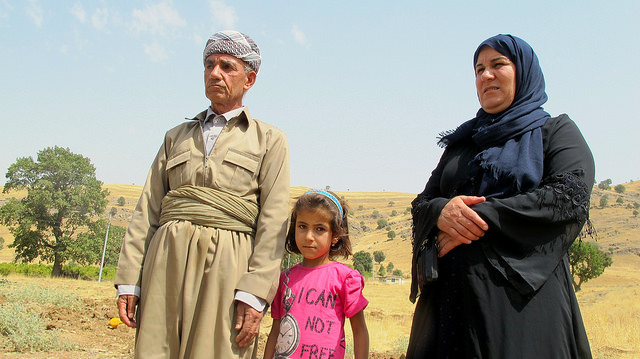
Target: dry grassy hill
[[615, 224]]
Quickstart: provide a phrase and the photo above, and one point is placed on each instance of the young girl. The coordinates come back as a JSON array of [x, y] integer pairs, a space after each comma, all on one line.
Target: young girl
[[315, 296]]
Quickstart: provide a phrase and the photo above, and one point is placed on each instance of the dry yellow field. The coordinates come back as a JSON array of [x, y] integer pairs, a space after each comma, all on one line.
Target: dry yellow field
[[609, 304]]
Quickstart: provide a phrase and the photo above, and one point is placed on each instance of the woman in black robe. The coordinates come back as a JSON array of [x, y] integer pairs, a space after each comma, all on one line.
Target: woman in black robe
[[508, 197]]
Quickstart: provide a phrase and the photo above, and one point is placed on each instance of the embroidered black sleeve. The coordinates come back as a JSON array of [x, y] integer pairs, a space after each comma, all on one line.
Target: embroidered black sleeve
[[570, 199]]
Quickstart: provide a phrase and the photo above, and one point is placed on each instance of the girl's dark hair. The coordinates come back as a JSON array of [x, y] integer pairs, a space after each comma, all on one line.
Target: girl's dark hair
[[339, 223]]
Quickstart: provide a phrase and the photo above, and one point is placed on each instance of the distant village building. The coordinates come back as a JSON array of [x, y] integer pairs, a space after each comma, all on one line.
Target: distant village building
[[393, 279]]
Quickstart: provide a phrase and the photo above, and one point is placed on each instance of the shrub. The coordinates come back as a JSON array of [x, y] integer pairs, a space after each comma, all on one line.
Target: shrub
[[121, 201], [605, 185], [25, 331], [620, 188], [23, 328], [604, 201]]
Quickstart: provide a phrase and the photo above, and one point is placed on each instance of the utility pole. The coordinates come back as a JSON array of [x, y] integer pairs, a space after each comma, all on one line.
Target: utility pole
[[104, 247]]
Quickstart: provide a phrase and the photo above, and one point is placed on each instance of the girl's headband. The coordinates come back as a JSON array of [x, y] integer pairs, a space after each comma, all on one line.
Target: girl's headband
[[331, 197]]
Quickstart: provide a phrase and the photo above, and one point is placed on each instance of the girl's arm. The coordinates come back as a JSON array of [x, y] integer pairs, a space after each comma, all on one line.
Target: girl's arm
[[270, 347], [360, 336]]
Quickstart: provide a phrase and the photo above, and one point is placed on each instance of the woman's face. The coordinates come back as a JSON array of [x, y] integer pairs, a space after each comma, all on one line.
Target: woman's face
[[495, 80]]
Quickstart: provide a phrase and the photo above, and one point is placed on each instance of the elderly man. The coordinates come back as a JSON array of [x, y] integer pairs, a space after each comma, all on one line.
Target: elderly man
[[201, 256]]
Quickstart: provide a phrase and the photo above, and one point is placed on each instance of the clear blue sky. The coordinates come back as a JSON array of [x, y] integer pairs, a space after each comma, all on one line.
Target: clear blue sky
[[362, 88]]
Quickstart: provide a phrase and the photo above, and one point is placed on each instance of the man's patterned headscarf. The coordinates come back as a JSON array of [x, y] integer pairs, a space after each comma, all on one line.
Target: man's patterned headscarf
[[236, 44]]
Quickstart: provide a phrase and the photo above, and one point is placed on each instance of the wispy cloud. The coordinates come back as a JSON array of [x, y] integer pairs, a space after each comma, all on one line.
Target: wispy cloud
[[157, 19], [34, 10], [298, 35], [78, 12], [223, 14], [156, 52], [5, 8], [100, 18]]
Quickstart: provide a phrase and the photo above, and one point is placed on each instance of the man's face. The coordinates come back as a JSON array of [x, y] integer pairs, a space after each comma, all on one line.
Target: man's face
[[225, 81]]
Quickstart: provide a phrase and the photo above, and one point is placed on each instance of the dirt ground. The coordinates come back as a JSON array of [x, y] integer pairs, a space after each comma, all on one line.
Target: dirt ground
[[87, 330], [85, 327]]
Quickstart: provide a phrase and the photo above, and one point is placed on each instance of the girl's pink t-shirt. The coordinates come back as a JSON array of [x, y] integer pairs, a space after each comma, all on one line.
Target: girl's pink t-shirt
[[323, 297]]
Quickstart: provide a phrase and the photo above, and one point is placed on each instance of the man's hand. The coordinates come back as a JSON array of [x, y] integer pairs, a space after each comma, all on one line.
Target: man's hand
[[247, 322], [127, 309]]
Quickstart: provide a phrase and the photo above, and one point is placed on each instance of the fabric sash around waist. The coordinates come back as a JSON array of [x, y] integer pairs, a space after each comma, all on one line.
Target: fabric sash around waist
[[209, 207]]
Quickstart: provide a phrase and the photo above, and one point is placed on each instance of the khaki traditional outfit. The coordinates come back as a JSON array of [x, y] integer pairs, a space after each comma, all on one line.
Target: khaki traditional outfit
[[205, 227]]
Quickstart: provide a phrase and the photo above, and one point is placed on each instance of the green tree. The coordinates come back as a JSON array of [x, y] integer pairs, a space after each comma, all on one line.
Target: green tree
[[376, 213], [1, 243], [390, 267], [397, 272], [605, 185], [360, 207], [63, 195], [391, 235], [87, 249], [635, 213], [363, 262], [620, 188], [619, 200], [604, 201], [391, 203], [382, 272], [394, 213], [290, 259], [587, 261], [121, 201], [379, 256], [382, 223]]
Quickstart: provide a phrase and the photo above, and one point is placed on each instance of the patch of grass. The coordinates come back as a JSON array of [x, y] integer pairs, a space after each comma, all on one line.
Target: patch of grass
[[401, 344], [23, 330], [35, 294], [21, 327]]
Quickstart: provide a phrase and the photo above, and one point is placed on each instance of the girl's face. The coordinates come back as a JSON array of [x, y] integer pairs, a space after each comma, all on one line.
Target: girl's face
[[314, 236]]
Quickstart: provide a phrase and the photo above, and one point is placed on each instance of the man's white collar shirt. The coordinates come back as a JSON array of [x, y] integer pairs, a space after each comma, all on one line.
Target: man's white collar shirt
[[213, 124]]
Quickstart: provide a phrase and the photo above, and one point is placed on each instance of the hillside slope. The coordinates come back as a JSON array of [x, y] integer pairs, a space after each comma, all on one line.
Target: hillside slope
[[616, 225]]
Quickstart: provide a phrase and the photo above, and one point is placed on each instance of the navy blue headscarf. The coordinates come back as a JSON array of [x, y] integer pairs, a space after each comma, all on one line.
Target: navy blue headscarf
[[511, 157]]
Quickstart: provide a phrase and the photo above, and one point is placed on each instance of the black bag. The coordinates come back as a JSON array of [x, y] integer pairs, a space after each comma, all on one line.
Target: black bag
[[427, 262]]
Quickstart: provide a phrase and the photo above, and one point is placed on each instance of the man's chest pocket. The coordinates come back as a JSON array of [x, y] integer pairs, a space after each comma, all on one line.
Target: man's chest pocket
[[178, 169], [238, 172]]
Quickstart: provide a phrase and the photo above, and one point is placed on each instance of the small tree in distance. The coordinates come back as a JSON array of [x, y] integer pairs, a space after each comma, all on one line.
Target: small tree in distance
[[604, 201], [362, 262], [379, 256], [605, 185], [121, 201], [390, 267], [587, 261], [620, 188], [382, 272]]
